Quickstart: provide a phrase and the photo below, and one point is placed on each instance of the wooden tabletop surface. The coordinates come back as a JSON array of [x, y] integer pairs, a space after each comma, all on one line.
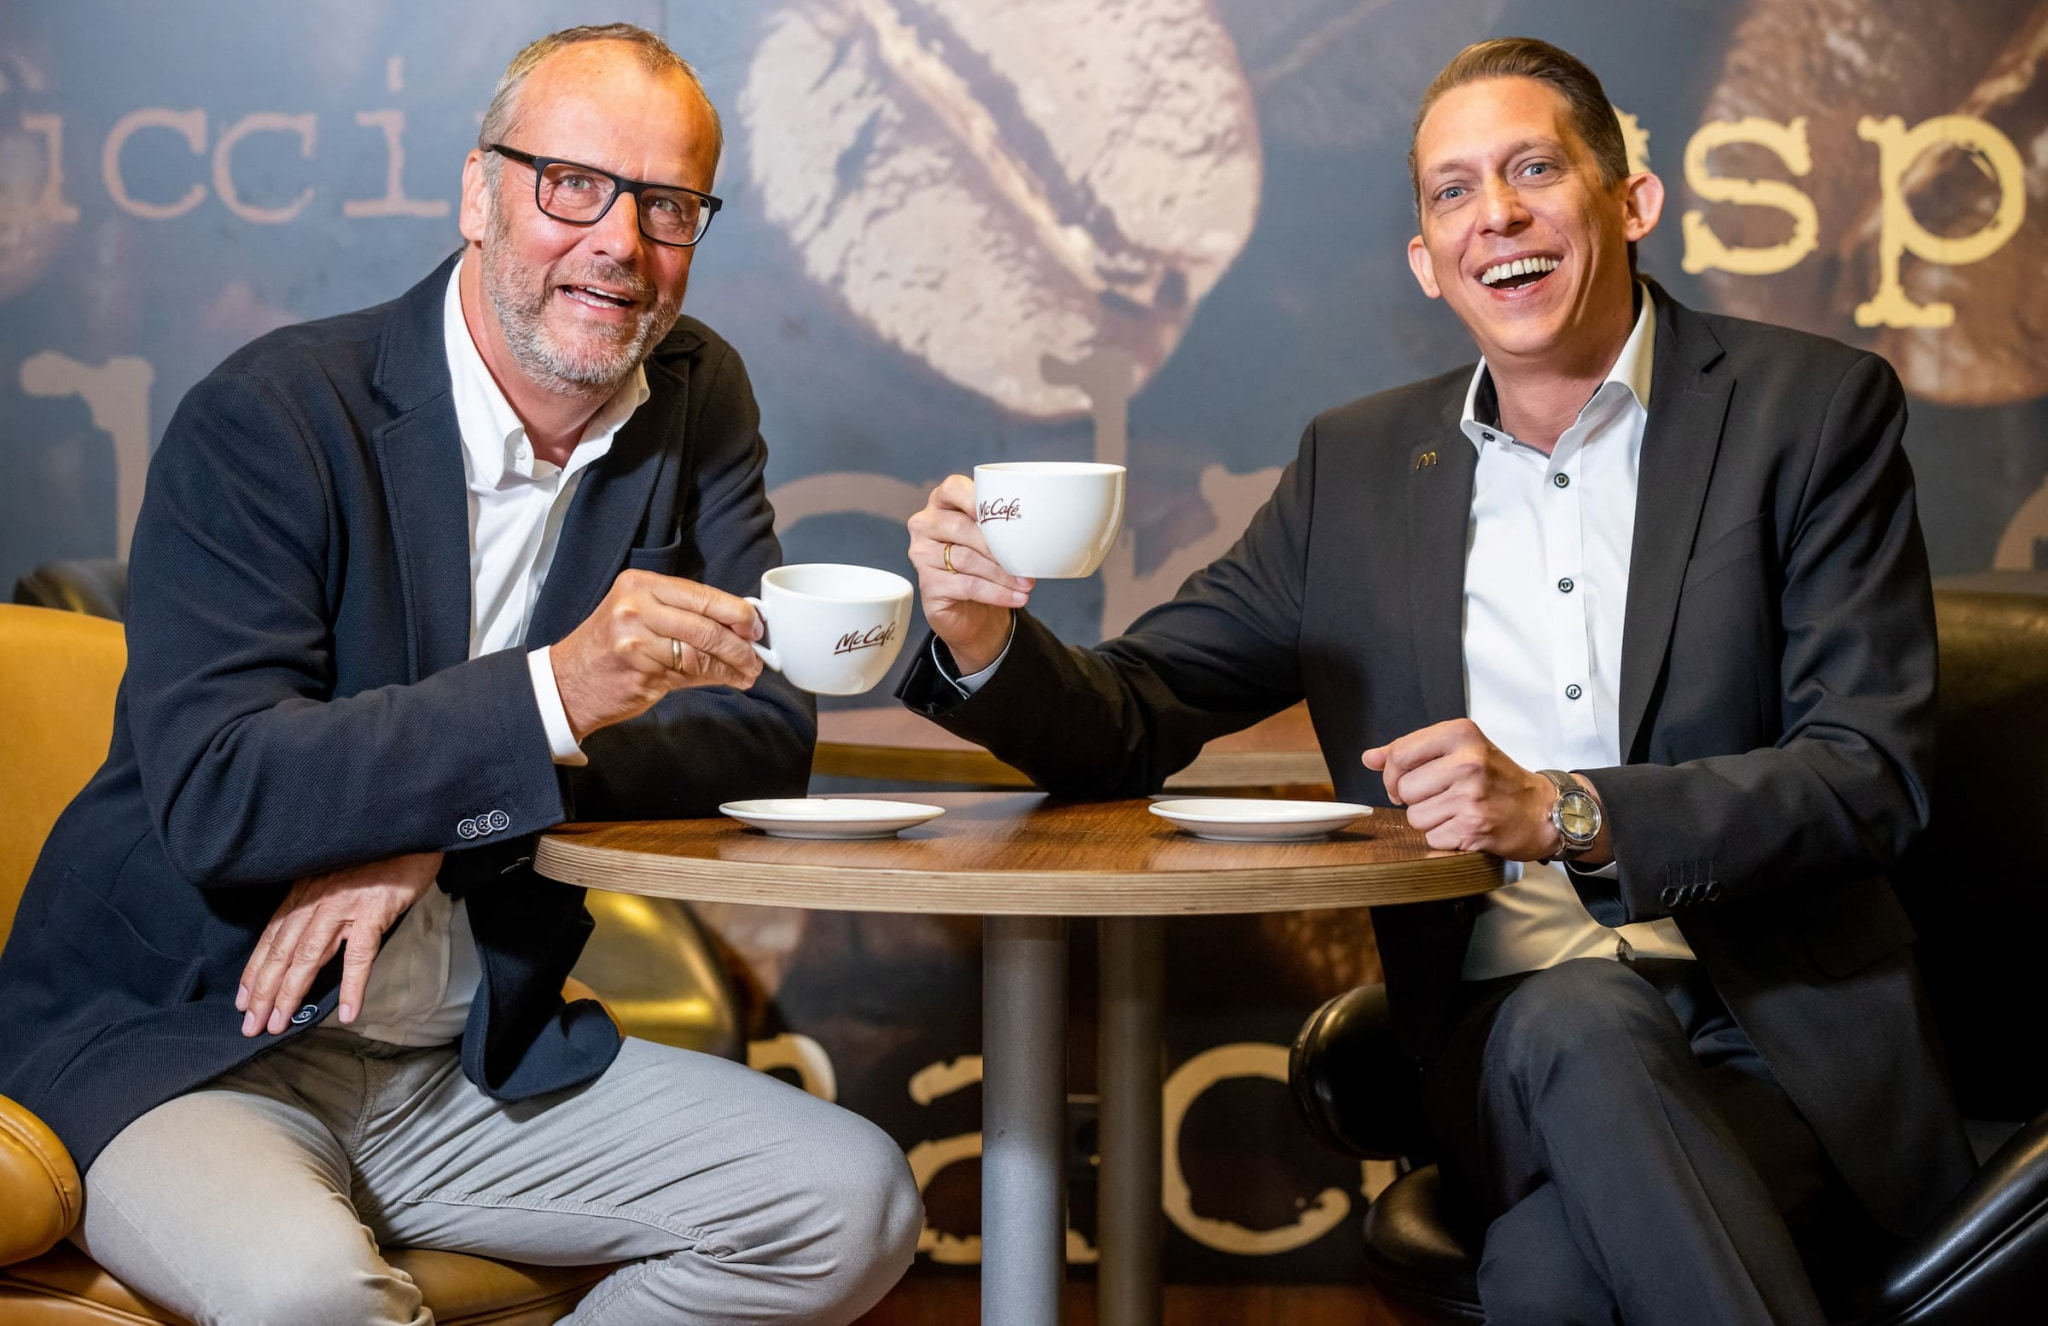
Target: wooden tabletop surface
[[891, 742], [1011, 853]]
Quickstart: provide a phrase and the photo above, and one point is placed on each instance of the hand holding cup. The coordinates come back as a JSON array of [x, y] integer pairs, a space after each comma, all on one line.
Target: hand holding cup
[[967, 595], [981, 545], [653, 634]]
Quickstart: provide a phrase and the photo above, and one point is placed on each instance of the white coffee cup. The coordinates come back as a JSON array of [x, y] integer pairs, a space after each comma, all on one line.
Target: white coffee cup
[[1049, 519], [832, 629]]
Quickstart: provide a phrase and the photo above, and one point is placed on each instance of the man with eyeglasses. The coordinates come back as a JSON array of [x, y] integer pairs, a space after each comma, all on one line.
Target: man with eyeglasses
[[409, 587]]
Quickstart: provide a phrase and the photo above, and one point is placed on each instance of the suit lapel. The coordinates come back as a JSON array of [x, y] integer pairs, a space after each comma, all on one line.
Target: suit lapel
[[1688, 404], [419, 455], [1440, 472], [608, 509]]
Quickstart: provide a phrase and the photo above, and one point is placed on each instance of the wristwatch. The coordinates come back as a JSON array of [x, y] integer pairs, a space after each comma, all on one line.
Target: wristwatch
[[1575, 815]]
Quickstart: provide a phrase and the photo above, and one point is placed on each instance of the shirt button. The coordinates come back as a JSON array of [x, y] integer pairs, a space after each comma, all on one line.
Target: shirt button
[[1562, 480], [1564, 586], [1487, 436], [1572, 692]]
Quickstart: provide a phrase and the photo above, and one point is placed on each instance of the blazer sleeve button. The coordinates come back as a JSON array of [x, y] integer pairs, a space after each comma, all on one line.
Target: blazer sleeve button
[[305, 1015], [1669, 897], [500, 821], [466, 830]]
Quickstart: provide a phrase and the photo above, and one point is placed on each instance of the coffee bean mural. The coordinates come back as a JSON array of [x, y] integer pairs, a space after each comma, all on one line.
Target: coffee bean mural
[[987, 185]]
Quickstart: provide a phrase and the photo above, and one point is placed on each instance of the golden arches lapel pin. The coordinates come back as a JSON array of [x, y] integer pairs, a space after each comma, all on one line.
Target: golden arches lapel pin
[[1425, 459]]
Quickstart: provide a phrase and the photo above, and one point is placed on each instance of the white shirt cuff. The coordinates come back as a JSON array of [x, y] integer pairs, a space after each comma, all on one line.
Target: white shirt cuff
[[1612, 870], [973, 681], [553, 717]]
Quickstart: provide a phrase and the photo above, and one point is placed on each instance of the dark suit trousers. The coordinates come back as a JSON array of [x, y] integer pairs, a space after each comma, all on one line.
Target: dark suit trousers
[[1628, 1155]]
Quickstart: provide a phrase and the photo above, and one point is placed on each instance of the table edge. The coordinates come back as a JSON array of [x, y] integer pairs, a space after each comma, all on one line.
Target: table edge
[[1237, 891]]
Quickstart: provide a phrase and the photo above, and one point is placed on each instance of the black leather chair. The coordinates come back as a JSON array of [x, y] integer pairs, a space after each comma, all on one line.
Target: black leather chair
[[1978, 891]]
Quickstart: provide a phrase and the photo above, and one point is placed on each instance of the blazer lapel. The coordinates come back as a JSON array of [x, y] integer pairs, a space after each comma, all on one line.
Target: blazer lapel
[[1440, 472], [609, 509], [1680, 442], [419, 455]]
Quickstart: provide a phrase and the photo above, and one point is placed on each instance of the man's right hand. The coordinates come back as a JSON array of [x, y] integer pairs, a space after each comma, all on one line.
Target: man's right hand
[[652, 634], [968, 606], [345, 911]]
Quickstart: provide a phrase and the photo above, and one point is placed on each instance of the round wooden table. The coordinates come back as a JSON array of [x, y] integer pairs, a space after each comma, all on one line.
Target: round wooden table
[[1027, 864], [892, 743]]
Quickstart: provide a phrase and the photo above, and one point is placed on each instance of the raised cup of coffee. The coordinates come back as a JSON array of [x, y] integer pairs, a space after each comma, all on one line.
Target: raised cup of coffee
[[832, 629], [1049, 519]]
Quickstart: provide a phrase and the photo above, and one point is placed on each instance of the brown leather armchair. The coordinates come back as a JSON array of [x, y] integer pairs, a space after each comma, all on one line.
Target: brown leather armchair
[[58, 674], [1975, 875]]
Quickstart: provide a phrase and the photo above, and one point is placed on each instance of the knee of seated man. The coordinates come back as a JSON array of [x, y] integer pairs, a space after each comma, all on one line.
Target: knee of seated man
[[1530, 1271], [1576, 1013], [315, 1287], [854, 1231], [868, 1189]]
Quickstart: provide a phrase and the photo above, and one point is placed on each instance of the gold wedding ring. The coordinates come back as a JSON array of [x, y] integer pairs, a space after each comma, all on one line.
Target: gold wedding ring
[[675, 655], [947, 558]]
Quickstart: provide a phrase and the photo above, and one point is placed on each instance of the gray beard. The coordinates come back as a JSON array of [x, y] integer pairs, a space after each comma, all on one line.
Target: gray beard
[[519, 295]]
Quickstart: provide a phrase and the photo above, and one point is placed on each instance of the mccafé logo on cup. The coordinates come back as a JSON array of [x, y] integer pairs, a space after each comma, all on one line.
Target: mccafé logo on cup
[[875, 637], [832, 629], [1051, 520]]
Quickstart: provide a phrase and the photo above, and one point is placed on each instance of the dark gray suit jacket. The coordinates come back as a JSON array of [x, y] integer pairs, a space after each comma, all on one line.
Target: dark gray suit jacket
[[1777, 700], [299, 697]]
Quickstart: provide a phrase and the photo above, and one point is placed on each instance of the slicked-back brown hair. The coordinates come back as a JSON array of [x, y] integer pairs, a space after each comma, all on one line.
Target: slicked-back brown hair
[[1592, 115]]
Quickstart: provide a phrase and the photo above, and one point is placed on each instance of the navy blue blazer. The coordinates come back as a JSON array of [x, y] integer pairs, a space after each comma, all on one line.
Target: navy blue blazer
[[299, 698], [1777, 701]]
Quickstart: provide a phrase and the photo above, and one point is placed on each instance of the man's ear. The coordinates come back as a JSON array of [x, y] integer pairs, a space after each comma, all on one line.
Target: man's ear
[[1425, 270], [1642, 203], [476, 197]]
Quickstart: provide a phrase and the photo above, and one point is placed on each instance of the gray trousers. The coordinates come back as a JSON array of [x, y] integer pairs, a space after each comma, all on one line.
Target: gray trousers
[[264, 1196], [1634, 1156]]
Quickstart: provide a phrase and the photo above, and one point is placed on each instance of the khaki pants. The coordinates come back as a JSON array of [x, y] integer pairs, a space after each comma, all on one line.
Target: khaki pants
[[263, 1197]]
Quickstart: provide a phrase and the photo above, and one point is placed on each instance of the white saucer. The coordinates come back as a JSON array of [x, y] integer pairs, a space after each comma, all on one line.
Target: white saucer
[[830, 817], [1245, 820]]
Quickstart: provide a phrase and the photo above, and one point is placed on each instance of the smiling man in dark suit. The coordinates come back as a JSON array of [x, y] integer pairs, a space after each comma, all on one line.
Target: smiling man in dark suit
[[1638, 603], [410, 586]]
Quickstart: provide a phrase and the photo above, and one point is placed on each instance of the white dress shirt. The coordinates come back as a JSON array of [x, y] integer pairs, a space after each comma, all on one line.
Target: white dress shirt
[[1546, 585], [426, 975]]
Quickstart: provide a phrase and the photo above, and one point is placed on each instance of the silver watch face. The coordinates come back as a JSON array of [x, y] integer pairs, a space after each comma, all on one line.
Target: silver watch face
[[1578, 818]]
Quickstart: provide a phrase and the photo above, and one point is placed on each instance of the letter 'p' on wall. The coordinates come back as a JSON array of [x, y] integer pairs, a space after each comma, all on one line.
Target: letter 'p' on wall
[[1899, 152]]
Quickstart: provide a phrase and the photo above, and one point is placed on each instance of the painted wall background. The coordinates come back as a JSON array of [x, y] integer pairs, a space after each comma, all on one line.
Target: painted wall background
[[1166, 232]]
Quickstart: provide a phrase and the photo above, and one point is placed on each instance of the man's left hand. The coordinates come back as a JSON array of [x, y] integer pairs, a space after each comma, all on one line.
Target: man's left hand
[[1465, 795], [349, 908]]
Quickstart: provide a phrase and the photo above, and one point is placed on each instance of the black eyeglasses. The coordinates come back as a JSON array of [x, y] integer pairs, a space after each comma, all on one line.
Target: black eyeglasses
[[580, 195]]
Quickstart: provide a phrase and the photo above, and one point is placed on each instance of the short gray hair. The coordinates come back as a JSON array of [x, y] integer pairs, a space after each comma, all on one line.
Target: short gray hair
[[501, 117]]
